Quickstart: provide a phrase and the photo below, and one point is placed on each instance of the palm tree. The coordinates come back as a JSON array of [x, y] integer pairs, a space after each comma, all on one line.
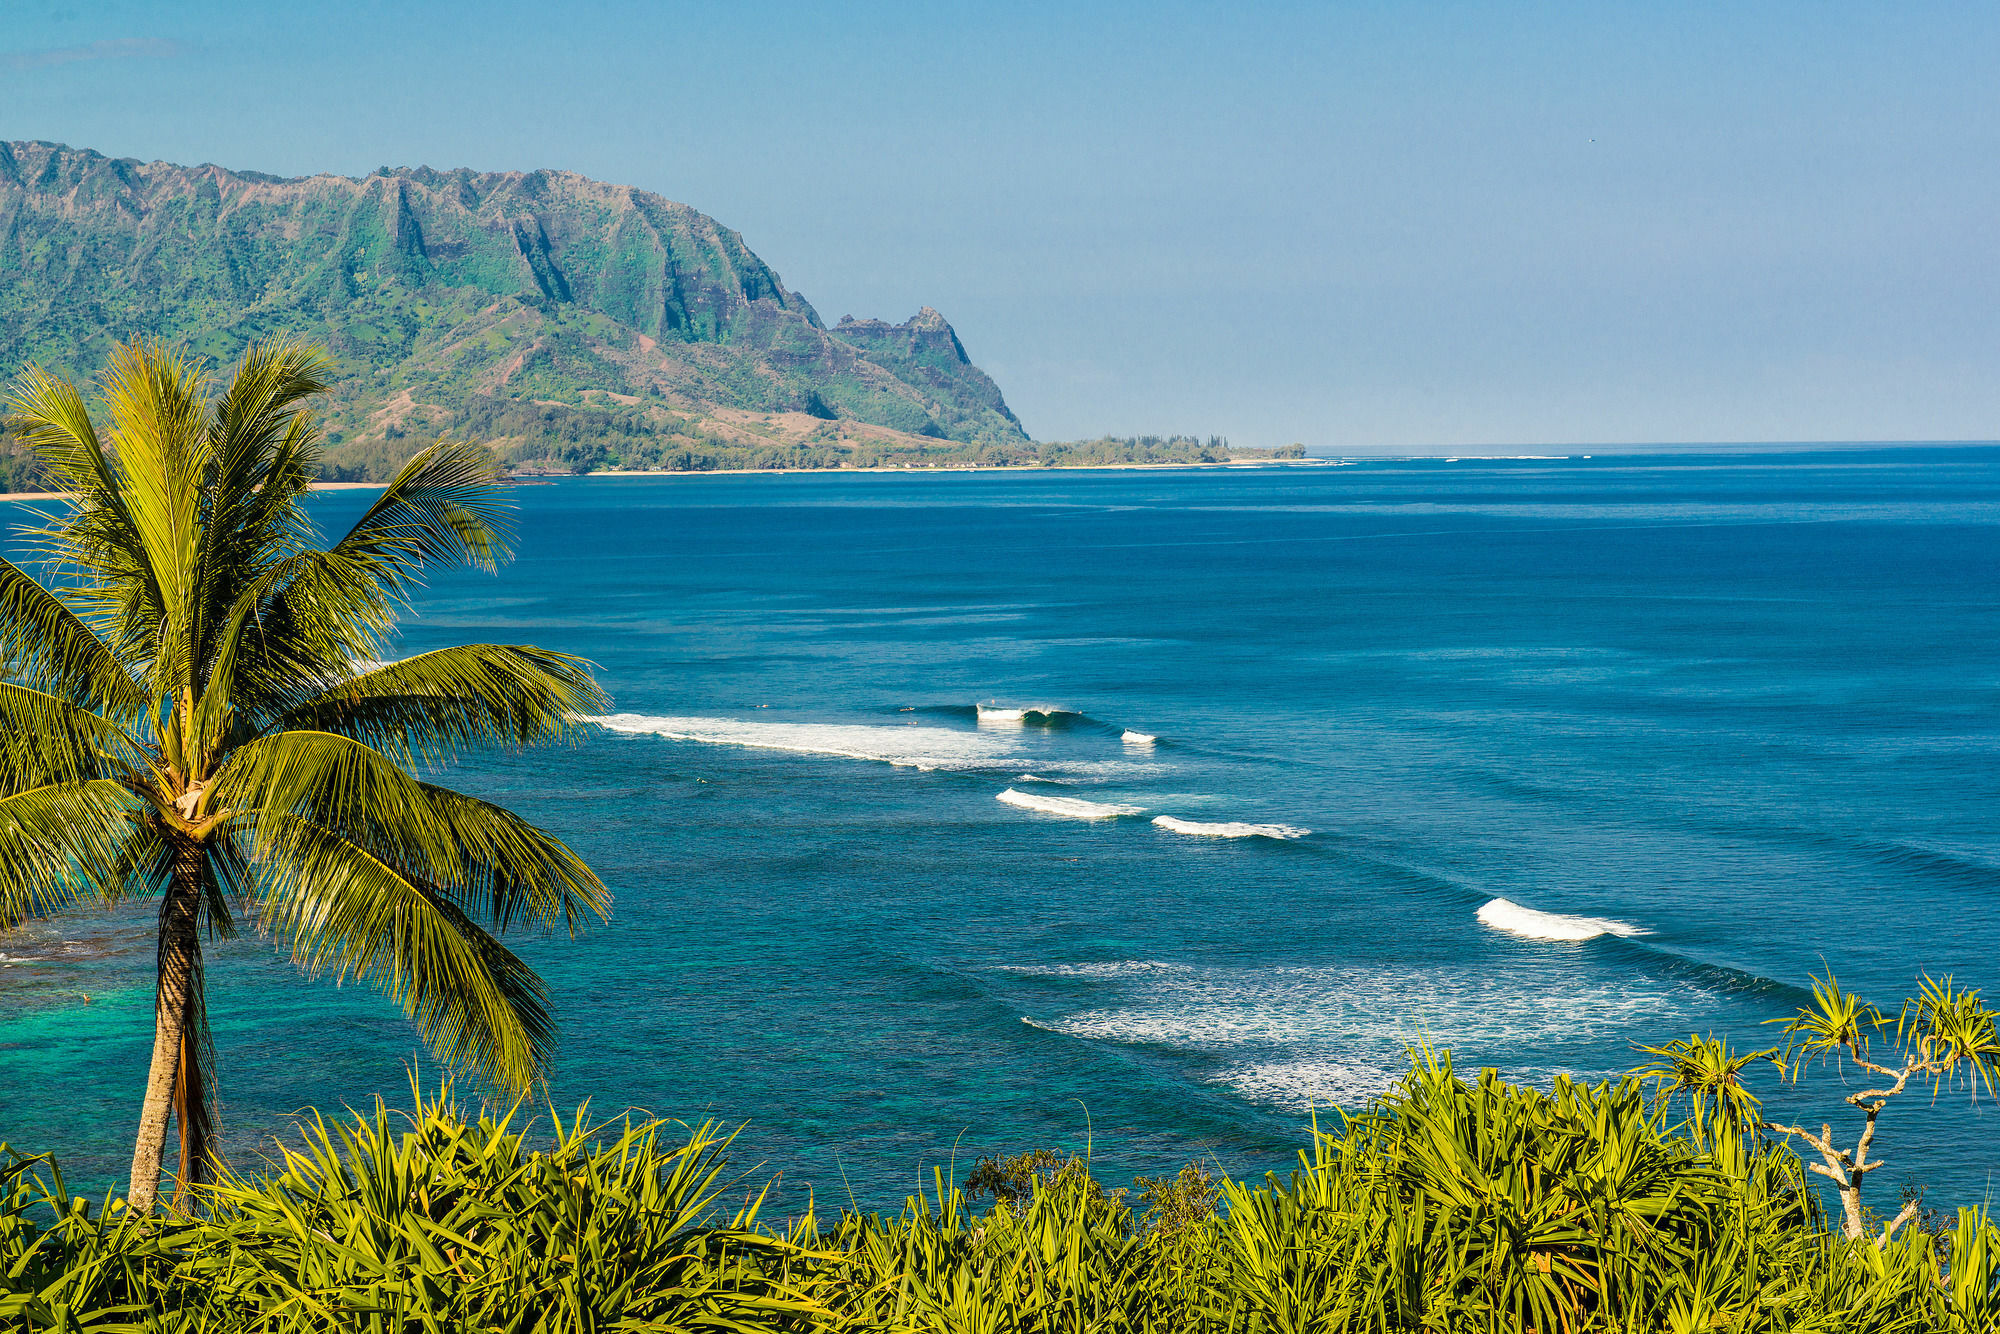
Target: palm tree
[[191, 708]]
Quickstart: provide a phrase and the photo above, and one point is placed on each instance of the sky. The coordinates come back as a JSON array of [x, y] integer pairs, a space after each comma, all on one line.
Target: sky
[[1362, 227]]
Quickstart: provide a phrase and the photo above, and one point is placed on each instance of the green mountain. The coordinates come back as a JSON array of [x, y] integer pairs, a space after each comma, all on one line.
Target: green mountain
[[570, 322]]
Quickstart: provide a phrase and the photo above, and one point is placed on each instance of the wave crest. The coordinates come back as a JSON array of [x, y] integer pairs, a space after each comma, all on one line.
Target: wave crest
[[1229, 828], [1074, 807], [1531, 924], [909, 747]]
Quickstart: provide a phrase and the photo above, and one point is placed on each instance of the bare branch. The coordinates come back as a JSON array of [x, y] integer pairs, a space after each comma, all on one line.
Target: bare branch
[[1909, 1212], [1822, 1142]]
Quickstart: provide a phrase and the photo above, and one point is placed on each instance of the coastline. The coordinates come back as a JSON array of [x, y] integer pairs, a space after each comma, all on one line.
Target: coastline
[[946, 467], [750, 472]]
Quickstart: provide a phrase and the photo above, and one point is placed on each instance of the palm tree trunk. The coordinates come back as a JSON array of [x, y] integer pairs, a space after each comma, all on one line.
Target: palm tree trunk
[[173, 1020]]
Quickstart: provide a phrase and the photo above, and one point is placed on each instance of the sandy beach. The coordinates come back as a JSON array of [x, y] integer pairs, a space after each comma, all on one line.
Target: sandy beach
[[963, 467]]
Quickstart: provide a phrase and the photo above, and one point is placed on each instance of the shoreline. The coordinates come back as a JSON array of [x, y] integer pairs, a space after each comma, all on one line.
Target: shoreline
[[776, 472], [1602, 451], [964, 467]]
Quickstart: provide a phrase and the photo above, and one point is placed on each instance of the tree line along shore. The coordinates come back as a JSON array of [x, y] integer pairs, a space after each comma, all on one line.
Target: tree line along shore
[[549, 454]]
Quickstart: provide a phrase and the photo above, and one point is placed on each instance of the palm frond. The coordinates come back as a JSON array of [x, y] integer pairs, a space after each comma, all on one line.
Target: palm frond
[[325, 610], [261, 446], [61, 844], [160, 432], [507, 870], [46, 739], [297, 629], [94, 538], [431, 706], [341, 910], [442, 506], [45, 644], [335, 781], [261, 430], [484, 859], [51, 418]]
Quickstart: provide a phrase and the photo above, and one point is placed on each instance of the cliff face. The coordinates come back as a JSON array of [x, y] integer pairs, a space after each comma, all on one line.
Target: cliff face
[[436, 291], [925, 352]]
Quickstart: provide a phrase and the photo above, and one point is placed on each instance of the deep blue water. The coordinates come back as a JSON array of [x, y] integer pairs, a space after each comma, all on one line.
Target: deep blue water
[[1749, 706]]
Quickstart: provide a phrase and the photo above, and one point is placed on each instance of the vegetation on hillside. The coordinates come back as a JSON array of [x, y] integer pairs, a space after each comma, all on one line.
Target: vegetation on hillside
[[433, 290], [192, 710], [20, 470]]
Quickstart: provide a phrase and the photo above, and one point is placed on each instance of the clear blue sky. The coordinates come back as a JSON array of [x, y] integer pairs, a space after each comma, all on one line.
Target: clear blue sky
[[1361, 226]]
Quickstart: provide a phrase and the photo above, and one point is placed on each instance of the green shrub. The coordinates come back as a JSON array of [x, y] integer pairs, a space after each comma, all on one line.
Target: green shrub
[[1448, 1207]]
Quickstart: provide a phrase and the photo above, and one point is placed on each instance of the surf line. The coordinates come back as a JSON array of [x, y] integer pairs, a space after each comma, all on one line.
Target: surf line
[[1074, 807], [1533, 924], [1228, 828]]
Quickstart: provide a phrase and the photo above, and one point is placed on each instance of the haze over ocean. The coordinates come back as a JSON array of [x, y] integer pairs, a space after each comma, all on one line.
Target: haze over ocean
[[1721, 721]]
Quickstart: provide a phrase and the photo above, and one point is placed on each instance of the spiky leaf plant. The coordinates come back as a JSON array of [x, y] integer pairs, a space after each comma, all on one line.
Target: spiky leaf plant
[[193, 710]]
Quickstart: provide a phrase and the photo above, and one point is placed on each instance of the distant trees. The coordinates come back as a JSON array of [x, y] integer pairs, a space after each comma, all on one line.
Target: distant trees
[[20, 470], [646, 436]]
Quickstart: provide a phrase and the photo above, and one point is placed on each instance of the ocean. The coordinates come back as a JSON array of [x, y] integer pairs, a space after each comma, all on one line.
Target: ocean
[[1151, 813]]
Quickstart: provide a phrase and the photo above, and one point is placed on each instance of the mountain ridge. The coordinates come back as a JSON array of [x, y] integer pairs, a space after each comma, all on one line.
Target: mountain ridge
[[628, 322]]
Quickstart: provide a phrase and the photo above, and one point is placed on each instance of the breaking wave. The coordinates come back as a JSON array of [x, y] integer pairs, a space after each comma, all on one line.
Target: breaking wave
[[910, 747], [1003, 714], [1229, 828], [1074, 807], [1132, 738], [1528, 923]]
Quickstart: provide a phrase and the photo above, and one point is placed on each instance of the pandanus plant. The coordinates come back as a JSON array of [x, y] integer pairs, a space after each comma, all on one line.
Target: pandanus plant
[[194, 709], [1945, 1037]]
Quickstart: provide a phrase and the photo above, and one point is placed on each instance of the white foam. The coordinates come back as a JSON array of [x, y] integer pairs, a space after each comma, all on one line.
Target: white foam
[[1229, 828], [1074, 807], [1506, 915], [1113, 968], [989, 713], [1309, 1083], [1359, 1013], [916, 747], [1132, 738], [911, 747]]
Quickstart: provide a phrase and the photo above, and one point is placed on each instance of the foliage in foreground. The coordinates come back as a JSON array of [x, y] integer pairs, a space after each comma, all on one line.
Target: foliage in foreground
[[1451, 1205]]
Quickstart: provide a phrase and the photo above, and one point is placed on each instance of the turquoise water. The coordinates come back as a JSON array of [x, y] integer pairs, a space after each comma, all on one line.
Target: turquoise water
[[1731, 719]]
